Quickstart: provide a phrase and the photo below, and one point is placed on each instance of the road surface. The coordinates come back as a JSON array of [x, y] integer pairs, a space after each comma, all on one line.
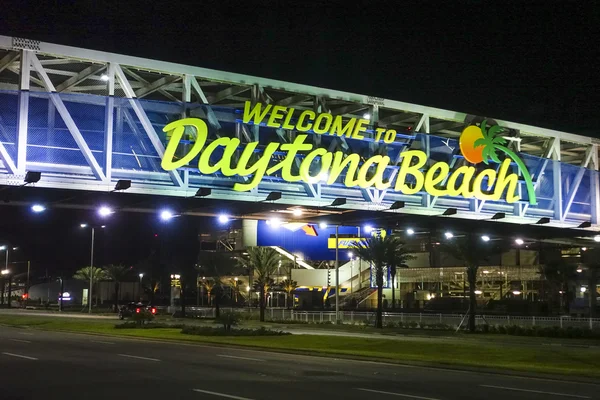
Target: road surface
[[52, 365]]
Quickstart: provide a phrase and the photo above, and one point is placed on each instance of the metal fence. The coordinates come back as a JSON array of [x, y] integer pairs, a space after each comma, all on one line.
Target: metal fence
[[357, 317]]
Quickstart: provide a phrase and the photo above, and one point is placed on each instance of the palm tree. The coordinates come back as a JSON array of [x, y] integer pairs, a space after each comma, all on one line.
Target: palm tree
[[381, 251], [263, 262], [235, 284], [472, 251], [116, 273], [91, 273], [397, 257], [491, 143], [208, 284], [288, 287]]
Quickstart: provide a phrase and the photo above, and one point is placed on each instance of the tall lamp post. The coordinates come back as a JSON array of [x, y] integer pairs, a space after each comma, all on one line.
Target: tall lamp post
[[104, 211], [141, 275], [6, 271]]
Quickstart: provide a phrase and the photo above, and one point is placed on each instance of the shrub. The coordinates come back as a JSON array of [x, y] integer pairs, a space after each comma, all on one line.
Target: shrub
[[142, 317], [390, 324], [208, 331], [228, 319], [135, 325]]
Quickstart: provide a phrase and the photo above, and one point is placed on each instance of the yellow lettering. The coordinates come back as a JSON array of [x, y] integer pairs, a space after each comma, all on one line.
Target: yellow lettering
[[360, 128], [509, 183], [339, 129], [339, 163], [224, 163], [467, 173], [308, 160], [379, 133], [175, 130], [407, 169], [276, 115], [434, 176], [258, 168], [477, 192], [288, 117], [286, 164], [300, 125], [255, 113], [377, 178], [390, 136], [328, 119]]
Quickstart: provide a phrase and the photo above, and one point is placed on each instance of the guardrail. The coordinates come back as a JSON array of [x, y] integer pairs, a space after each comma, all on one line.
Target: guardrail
[[419, 318]]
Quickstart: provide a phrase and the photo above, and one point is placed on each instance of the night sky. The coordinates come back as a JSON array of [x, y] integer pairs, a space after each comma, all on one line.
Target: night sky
[[533, 62]]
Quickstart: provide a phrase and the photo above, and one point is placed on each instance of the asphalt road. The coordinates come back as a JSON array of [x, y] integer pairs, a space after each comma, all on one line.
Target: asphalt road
[[53, 365]]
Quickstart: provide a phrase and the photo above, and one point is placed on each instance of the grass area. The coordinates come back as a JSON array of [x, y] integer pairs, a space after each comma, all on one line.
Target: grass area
[[478, 354]]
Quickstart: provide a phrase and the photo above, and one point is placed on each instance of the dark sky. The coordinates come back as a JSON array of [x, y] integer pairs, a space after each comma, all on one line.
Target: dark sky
[[533, 62]]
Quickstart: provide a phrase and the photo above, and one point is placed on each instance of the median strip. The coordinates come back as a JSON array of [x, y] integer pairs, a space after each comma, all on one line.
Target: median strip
[[20, 341], [138, 357], [536, 391], [239, 358]]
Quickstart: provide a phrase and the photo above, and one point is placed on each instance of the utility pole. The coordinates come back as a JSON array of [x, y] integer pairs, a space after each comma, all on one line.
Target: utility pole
[[91, 273], [337, 275]]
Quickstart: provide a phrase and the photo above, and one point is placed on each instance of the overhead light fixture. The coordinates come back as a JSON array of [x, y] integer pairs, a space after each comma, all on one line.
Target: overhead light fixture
[[223, 218], [410, 231], [203, 192], [273, 196], [543, 220], [449, 235], [38, 208], [368, 229], [450, 211], [583, 289], [519, 241], [105, 211], [478, 292], [516, 292], [297, 212], [83, 225], [579, 270], [499, 215], [122, 184], [585, 224], [366, 116], [166, 215], [597, 238], [274, 222], [104, 77], [323, 225], [32, 177], [485, 238], [397, 205], [340, 201]]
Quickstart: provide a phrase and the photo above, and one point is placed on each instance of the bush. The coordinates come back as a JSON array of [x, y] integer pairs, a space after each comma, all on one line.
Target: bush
[[142, 317], [228, 319], [135, 325], [208, 331]]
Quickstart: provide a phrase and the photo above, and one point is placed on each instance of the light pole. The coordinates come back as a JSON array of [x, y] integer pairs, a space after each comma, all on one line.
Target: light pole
[[93, 229], [141, 275], [6, 271]]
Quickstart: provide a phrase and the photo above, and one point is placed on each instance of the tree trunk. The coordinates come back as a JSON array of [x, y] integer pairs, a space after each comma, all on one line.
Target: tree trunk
[[116, 297], [217, 304], [379, 315], [472, 276], [393, 271], [261, 304]]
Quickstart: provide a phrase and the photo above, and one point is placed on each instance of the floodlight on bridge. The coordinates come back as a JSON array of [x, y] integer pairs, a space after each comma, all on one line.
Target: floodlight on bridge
[[543, 220], [397, 205], [499, 215], [32, 177], [340, 201], [203, 192], [122, 184], [450, 211], [585, 224], [273, 196]]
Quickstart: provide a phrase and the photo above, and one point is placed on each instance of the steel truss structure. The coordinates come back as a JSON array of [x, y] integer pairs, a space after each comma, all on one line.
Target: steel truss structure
[[86, 119]]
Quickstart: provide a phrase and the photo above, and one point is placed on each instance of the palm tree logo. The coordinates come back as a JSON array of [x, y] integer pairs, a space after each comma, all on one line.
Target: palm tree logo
[[481, 144]]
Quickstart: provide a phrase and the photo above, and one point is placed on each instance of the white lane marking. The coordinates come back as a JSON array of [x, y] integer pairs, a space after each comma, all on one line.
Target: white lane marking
[[20, 340], [536, 391], [26, 333], [101, 342], [138, 357], [410, 396], [221, 394], [19, 356], [239, 358]]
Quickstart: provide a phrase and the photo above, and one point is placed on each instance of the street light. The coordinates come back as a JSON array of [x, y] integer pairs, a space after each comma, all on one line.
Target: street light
[[141, 275], [38, 208], [83, 226], [105, 211]]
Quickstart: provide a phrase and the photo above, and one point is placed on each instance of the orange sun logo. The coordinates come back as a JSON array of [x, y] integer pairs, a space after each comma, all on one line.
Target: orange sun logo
[[468, 137]]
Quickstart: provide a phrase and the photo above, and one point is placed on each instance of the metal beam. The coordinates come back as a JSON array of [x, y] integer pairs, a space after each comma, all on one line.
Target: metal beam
[[80, 77], [143, 117], [67, 119], [145, 82], [226, 93], [156, 85], [8, 59]]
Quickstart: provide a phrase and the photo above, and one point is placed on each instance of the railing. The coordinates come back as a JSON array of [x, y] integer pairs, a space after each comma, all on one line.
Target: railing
[[356, 317]]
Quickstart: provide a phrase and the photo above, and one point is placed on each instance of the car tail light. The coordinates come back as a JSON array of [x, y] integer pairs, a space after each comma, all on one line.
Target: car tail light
[[153, 310], [137, 310]]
